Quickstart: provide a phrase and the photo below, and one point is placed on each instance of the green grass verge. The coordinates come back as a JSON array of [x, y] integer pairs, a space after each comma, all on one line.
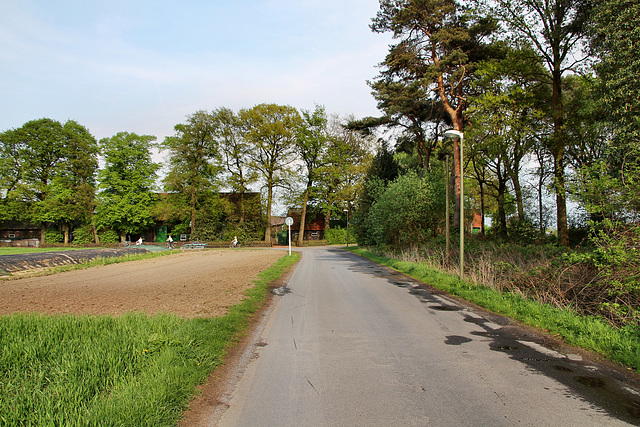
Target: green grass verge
[[619, 345], [130, 370]]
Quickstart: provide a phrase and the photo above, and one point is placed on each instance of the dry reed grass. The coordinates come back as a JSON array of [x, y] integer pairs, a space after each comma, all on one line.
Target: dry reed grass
[[540, 274]]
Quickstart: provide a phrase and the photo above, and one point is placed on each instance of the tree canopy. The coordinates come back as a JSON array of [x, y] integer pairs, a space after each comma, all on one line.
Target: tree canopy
[[127, 183]]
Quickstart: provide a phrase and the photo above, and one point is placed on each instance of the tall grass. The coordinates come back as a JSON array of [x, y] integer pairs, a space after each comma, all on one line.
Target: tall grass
[[620, 345], [545, 273], [130, 370]]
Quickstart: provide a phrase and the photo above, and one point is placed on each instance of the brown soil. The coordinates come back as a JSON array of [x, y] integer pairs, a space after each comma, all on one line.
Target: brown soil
[[189, 284]]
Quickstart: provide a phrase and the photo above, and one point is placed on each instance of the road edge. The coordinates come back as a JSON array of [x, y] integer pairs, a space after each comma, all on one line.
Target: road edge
[[213, 397]]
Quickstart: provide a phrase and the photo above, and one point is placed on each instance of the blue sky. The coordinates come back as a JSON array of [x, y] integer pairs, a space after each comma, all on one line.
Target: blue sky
[[142, 66]]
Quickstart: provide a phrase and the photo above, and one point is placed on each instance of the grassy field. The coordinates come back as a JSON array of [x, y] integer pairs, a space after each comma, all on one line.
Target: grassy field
[[621, 345], [131, 370]]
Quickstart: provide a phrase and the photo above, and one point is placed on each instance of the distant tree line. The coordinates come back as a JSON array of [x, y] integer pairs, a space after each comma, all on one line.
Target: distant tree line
[[50, 174]]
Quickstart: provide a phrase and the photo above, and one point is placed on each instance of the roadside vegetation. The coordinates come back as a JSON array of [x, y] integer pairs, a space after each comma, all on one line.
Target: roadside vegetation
[[541, 170], [591, 332], [129, 370]]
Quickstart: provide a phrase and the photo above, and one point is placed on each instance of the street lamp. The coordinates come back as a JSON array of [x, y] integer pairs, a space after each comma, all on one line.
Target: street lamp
[[457, 134], [289, 221], [347, 212]]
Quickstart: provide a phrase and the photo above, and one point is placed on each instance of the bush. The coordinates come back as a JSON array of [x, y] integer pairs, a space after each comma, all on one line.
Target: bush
[[83, 235], [109, 236], [53, 236], [617, 259], [409, 211], [247, 232], [338, 236]]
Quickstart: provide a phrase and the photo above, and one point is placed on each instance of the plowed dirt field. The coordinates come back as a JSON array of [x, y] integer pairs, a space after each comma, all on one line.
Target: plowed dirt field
[[189, 284]]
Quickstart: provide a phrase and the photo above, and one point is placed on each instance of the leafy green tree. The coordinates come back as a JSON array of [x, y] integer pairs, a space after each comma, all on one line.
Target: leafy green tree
[[409, 211], [507, 118], [555, 30], [382, 170], [10, 162], [270, 130], [408, 107], [615, 37], [587, 128], [440, 45], [236, 156], [591, 148], [72, 198], [11, 166], [48, 171], [126, 183], [193, 163], [312, 142], [38, 147], [345, 167]]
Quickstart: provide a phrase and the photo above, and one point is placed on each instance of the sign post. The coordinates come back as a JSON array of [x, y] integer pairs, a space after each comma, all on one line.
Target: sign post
[[289, 221]]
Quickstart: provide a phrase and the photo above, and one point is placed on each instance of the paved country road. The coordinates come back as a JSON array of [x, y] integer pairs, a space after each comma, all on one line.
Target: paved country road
[[354, 344]]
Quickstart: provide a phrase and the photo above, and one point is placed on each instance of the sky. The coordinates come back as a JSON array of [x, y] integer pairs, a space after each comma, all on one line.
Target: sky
[[143, 66]]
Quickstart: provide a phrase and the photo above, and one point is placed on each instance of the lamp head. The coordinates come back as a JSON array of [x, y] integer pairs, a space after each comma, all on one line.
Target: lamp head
[[453, 134]]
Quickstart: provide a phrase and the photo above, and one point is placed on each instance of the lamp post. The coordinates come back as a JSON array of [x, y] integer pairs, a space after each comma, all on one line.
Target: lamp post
[[457, 134], [446, 215], [347, 212], [289, 221]]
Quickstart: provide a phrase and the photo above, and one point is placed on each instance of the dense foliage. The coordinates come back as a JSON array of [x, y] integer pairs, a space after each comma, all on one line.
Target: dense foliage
[[409, 211], [549, 113], [126, 184]]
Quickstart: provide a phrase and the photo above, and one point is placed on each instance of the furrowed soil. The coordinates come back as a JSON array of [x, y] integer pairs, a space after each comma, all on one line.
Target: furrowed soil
[[189, 284]]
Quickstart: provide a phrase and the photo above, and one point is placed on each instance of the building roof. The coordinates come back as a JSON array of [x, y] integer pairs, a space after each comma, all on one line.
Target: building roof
[[277, 220]]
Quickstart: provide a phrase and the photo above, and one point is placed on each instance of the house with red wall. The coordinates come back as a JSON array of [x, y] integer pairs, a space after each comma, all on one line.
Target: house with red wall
[[313, 225]]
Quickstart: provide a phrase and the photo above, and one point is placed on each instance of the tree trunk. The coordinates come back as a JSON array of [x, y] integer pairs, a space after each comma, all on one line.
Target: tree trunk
[[193, 213], [303, 217], [267, 231], [543, 232], [327, 221], [96, 238], [481, 209], [558, 148], [561, 203], [43, 230], [502, 216], [242, 208], [518, 190]]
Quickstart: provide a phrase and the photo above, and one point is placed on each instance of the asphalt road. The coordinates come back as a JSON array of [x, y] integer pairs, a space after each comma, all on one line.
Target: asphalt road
[[355, 344]]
